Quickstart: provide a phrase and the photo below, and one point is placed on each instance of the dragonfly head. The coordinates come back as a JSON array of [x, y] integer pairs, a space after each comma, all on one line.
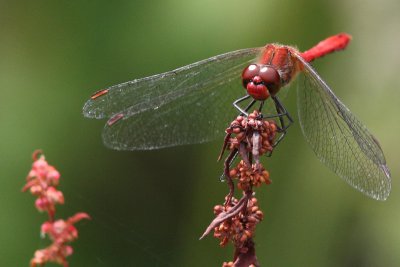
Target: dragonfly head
[[261, 81]]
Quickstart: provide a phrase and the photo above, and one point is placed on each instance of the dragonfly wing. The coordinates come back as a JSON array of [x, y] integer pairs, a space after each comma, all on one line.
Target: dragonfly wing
[[197, 118], [339, 139], [189, 105]]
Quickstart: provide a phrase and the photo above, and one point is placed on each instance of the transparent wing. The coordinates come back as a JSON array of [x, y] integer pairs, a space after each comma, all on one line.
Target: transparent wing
[[192, 104], [339, 139]]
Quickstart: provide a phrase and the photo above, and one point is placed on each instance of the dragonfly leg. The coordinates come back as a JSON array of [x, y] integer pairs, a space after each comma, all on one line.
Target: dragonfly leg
[[260, 115], [250, 105], [243, 111], [227, 164], [282, 113], [261, 106]]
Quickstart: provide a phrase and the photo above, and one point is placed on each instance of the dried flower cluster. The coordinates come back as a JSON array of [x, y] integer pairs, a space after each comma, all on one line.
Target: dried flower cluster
[[236, 220], [243, 127], [240, 228], [42, 181], [249, 176]]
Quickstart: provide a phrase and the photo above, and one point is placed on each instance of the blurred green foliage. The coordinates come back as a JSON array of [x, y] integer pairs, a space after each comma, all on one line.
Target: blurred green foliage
[[149, 208]]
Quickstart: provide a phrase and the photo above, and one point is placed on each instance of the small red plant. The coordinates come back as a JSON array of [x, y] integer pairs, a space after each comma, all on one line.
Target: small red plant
[[236, 220], [42, 182]]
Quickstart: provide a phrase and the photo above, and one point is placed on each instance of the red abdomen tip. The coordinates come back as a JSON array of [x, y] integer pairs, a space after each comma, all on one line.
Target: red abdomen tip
[[329, 45]]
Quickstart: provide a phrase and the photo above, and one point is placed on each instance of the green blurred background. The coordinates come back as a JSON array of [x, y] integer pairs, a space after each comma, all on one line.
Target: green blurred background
[[149, 208]]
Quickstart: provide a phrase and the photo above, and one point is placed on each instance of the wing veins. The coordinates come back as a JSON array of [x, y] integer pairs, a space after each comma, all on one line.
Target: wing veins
[[357, 145]]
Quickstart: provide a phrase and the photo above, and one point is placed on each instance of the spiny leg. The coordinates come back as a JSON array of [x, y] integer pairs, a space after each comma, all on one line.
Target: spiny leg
[[281, 114], [260, 115], [243, 111], [250, 105], [261, 106]]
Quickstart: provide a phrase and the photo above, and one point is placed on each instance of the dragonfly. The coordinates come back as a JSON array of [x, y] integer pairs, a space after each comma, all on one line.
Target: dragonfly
[[193, 104]]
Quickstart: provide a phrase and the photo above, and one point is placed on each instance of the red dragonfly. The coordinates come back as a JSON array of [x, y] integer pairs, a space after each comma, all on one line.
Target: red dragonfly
[[192, 104]]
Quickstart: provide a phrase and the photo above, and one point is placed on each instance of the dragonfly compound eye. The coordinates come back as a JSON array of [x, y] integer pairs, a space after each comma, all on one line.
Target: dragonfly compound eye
[[270, 77], [260, 81], [249, 73]]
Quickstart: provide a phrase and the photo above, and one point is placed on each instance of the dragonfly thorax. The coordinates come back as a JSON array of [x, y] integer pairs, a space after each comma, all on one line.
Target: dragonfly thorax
[[261, 81]]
